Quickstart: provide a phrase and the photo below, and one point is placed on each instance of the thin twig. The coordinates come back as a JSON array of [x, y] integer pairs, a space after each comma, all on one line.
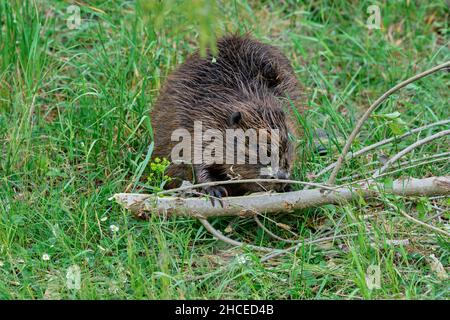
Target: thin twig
[[273, 252], [270, 233], [366, 115], [416, 221], [412, 166], [276, 223], [379, 144], [409, 149], [437, 215], [217, 183], [306, 243], [431, 159], [216, 233]]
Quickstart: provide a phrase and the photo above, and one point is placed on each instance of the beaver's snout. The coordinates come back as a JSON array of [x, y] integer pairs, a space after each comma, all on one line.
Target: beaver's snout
[[282, 174]]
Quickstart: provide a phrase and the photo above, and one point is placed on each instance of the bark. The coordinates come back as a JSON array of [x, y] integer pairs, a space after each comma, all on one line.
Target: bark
[[201, 207]]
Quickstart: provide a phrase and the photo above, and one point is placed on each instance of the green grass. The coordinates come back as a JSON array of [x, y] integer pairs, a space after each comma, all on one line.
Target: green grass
[[75, 129]]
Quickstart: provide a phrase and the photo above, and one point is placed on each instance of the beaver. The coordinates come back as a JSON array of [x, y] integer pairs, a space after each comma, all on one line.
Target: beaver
[[246, 85]]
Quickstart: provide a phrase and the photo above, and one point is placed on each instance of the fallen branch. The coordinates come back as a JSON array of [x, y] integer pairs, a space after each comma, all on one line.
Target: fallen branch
[[278, 202]]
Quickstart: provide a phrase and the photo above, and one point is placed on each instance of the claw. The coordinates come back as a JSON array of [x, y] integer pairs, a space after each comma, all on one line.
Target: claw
[[216, 193]]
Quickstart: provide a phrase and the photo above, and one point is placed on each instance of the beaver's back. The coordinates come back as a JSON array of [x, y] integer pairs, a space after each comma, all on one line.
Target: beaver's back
[[206, 88]]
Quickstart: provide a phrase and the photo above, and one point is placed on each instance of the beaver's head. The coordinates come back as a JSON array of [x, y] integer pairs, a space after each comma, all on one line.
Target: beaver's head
[[263, 143]]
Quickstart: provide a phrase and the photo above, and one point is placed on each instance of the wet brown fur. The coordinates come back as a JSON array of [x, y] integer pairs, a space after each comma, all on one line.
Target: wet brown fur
[[247, 76]]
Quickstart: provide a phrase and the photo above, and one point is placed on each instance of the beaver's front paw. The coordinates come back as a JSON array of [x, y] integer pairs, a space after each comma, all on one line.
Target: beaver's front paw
[[216, 193]]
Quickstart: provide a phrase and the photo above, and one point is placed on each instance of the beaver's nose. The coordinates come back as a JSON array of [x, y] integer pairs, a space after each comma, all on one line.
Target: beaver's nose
[[282, 174]]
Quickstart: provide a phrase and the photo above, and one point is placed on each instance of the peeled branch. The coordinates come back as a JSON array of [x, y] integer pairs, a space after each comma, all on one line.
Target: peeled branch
[[201, 207]]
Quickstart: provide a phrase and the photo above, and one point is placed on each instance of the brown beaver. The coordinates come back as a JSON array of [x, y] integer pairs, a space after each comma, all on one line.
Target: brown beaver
[[246, 85]]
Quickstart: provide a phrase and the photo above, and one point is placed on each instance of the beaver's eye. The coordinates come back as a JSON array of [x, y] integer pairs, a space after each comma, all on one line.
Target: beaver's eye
[[234, 119]]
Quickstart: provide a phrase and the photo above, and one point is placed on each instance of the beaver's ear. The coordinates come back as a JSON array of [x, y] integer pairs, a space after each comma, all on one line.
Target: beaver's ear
[[234, 119]]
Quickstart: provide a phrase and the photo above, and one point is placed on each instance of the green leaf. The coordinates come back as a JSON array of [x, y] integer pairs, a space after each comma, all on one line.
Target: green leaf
[[397, 128], [422, 207], [391, 116], [388, 183]]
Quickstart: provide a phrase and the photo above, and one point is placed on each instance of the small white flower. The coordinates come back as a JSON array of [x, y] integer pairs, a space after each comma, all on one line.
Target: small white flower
[[242, 259], [113, 228], [45, 257]]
